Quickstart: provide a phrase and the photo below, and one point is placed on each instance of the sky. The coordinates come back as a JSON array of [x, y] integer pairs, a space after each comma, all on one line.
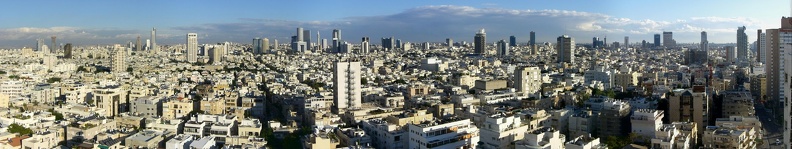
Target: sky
[[108, 22]]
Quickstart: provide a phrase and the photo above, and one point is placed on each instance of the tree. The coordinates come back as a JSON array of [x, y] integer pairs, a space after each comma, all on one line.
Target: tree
[[53, 80], [16, 128], [58, 116], [81, 69], [129, 69], [363, 81], [2, 72]]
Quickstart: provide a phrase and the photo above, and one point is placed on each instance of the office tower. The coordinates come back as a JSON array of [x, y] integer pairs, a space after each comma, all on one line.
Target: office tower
[[387, 44], [533, 39], [596, 42], [346, 86], [307, 38], [480, 42], [626, 41], [298, 44], [759, 45], [668, 39], [67, 50], [643, 43], [566, 49], [656, 40], [503, 48], [119, 59], [324, 44], [364, 45], [783, 46], [192, 47], [257, 46], [449, 42], [426, 46], [690, 105], [512, 41], [39, 45], [265, 46], [398, 44], [731, 54], [153, 39], [319, 43], [336, 34], [300, 35], [704, 42], [216, 53], [336, 40], [528, 80], [275, 44], [742, 45], [54, 47], [137, 44]]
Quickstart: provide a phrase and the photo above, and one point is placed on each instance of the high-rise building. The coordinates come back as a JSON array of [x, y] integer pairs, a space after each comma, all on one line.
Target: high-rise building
[[346, 86], [731, 54], [119, 59], [265, 46], [39, 45], [257, 49], [503, 48], [528, 80], [480, 42], [566, 49], [319, 44], [153, 39], [192, 47], [275, 44], [704, 42], [687, 105], [783, 46], [626, 41], [54, 47], [596, 42], [761, 47], [742, 45], [656, 40], [300, 34], [216, 53], [336, 41], [137, 44], [298, 44], [512, 41], [307, 38], [759, 44], [388, 44], [67, 51], [365, 45], [773, 66], [533, 39], [668, 39], [449, 42], [398, 43]]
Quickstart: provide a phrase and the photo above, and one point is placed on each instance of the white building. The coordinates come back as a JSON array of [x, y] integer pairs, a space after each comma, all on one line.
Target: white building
[[542, 138], [443, 133], [346, 86], [12, 88], [192, 47], [528, 80], [645, 122], [180, 141], [119, 59], [500, 130], [584, 142]]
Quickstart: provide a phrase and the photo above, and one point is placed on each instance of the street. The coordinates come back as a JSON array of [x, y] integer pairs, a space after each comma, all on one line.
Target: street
[[771, 129]]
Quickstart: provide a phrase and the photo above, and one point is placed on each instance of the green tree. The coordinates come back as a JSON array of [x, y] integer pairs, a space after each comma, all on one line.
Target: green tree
[[363, 81], [81, 69], [2, 72], [16, 128], [58, 115], [53, 80], [129, 69]]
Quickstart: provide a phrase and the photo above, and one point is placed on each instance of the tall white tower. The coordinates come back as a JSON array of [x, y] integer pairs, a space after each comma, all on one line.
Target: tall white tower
[[119, 59], [346, 86], [153, 39], [192, 47]]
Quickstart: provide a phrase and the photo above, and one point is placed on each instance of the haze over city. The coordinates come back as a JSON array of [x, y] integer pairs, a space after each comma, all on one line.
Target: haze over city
[[102, 22]]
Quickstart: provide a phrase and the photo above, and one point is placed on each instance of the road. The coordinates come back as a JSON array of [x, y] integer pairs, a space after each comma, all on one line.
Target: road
[[771, 129]]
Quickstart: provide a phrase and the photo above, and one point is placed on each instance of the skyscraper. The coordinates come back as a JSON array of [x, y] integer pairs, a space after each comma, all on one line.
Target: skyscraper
[[307, 38], [704, 42], [192, 47], [566, 49], [265, 46], [533, 39], [449, 42], [336, 41], [298, 44], [346, 86], [67, 51], [153, 39], [137, 44], [512, 41], [119, 59], [742, 45], [54, 46], [480, 42], [503, 48], [668, 39], [759, 45], [387, 44], [216, 53], [275, 44], [256, 49], [300, 34], [626, 41], [39, 45], [398, 44], [319, 44], [656, 40], [365, 45]]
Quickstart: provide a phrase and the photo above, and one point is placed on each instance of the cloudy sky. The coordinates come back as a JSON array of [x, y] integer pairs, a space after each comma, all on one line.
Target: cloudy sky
[[108, 22]]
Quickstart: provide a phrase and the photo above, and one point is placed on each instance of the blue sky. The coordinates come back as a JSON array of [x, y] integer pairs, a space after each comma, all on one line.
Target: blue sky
[[107, 22]]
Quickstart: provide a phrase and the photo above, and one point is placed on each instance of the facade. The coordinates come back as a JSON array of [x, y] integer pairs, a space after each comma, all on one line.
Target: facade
[[721, 137], [110, 99], [480, 42], [668, 39], [528, 80], [176, 108], [761, 47], [500, 130], [145, 139], [656, 40], [646, 122], [180, 141], [584, 142], [67, 51], [346, 86], [614, 119], [147, 106], [503, 48], [566, 49], [704, 45], [689, 106], [192, 47], [512, 41], [119, 59], [737, 103], [542, 138]]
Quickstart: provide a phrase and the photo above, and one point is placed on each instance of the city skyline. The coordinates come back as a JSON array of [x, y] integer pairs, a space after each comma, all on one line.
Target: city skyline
[[413, 21]]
